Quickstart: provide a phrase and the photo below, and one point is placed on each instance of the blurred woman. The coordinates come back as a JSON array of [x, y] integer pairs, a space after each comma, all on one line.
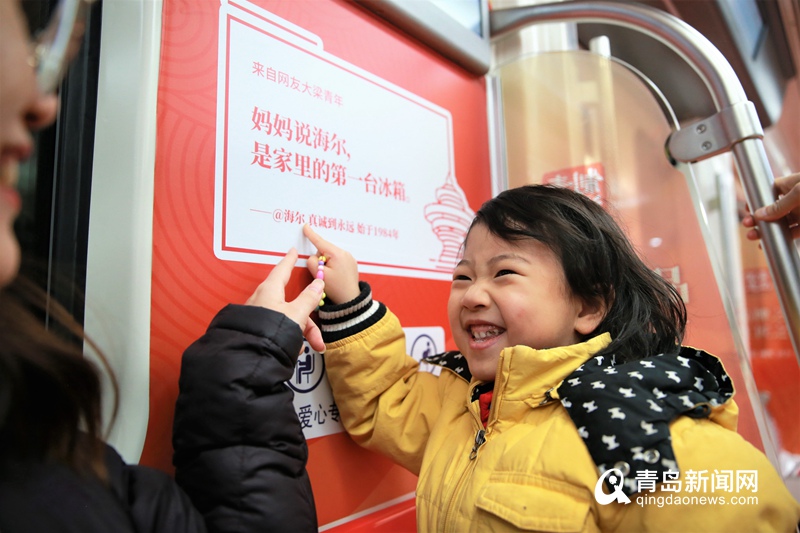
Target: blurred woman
[[56, 473]]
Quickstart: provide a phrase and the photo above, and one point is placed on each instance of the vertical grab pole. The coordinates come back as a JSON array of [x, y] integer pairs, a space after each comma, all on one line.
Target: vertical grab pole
[[726, 90]]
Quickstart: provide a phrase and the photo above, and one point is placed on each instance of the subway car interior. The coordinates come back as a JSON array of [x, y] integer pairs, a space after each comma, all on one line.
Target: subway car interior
[[149, 204]]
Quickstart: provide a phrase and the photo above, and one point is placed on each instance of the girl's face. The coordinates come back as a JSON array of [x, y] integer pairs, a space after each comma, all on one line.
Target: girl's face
[[508, 294], [22, 108]]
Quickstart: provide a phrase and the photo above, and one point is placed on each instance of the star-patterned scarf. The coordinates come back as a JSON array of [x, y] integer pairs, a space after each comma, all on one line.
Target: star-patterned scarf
[[623, 411]]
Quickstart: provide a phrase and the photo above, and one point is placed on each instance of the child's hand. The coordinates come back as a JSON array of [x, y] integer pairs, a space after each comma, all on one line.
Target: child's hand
[[272, 295], [341, 268]]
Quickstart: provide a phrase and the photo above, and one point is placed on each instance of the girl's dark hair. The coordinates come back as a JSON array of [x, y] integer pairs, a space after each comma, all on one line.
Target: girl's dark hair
[[49, 393], [645, 314]]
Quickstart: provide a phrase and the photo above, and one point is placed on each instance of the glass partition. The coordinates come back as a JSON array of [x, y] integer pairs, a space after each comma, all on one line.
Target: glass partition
[[582, 120]]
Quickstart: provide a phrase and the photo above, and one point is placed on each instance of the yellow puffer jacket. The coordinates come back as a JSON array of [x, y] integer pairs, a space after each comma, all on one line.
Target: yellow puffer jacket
[[533, 472]]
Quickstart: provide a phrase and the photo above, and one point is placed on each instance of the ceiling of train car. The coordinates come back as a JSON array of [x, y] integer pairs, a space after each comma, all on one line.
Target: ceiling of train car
[[758, 37]]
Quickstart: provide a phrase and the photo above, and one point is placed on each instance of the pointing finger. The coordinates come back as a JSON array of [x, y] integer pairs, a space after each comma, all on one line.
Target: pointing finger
[[283, 270], [321, 244], [272, 291]]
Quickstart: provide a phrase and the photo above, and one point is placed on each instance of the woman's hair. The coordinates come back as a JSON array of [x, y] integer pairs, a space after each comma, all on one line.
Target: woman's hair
[[49, 393], [645, 314]]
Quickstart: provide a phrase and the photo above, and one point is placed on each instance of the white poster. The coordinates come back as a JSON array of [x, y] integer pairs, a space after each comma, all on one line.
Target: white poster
[[305, 137]]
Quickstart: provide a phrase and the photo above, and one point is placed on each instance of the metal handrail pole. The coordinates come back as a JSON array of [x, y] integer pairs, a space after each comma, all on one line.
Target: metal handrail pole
[[776, 239], [725, 89]]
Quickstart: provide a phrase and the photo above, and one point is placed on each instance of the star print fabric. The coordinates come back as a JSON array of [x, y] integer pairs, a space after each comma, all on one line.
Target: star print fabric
[[623, 411], [453, 361]]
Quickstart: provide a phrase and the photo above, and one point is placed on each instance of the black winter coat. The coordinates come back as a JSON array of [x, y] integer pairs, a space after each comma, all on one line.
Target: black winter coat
[[240, 453], [50, 497]]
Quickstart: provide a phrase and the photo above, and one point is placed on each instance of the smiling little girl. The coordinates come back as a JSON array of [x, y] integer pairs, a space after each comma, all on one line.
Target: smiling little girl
[[570, 372]]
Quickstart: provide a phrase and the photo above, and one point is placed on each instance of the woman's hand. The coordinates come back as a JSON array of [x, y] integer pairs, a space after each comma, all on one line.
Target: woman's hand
[[271, 293], [787, 206], [341, 268]]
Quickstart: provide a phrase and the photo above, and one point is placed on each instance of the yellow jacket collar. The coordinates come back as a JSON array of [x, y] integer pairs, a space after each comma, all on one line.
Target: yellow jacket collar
[[525, 372]]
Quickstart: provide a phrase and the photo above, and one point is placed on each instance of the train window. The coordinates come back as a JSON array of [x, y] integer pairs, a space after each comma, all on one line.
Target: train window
[[457, 29], [55, 182], [468, 13], [746, 24]]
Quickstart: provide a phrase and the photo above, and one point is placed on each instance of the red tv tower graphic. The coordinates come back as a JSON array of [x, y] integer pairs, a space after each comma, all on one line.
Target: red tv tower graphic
[[450, 217]]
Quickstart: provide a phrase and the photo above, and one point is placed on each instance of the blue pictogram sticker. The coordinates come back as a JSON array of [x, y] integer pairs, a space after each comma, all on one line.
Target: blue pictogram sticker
[[309, 370]]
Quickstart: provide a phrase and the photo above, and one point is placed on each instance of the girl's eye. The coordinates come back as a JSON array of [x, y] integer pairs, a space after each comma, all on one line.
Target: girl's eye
[[504, 272], [460, 277]]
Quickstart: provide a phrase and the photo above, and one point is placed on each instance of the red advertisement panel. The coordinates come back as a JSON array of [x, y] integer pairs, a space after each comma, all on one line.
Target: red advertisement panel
[[192, 278]]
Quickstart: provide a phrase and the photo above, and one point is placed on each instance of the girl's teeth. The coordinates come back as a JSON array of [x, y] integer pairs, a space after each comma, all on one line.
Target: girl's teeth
[[480, 335]]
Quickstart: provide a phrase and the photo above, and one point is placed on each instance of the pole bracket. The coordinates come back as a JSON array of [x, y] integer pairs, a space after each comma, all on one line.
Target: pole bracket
[[715, 134]]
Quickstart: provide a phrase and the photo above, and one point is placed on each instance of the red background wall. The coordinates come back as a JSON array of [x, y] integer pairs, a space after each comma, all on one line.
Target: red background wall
[[190, 284]]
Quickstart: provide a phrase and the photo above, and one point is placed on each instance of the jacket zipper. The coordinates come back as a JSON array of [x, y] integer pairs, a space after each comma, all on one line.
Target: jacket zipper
[[480, 439], [548, 397]]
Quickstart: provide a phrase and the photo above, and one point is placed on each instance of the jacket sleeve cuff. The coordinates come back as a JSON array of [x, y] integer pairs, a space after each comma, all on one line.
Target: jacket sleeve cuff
[[261, 322], [344, 320]]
